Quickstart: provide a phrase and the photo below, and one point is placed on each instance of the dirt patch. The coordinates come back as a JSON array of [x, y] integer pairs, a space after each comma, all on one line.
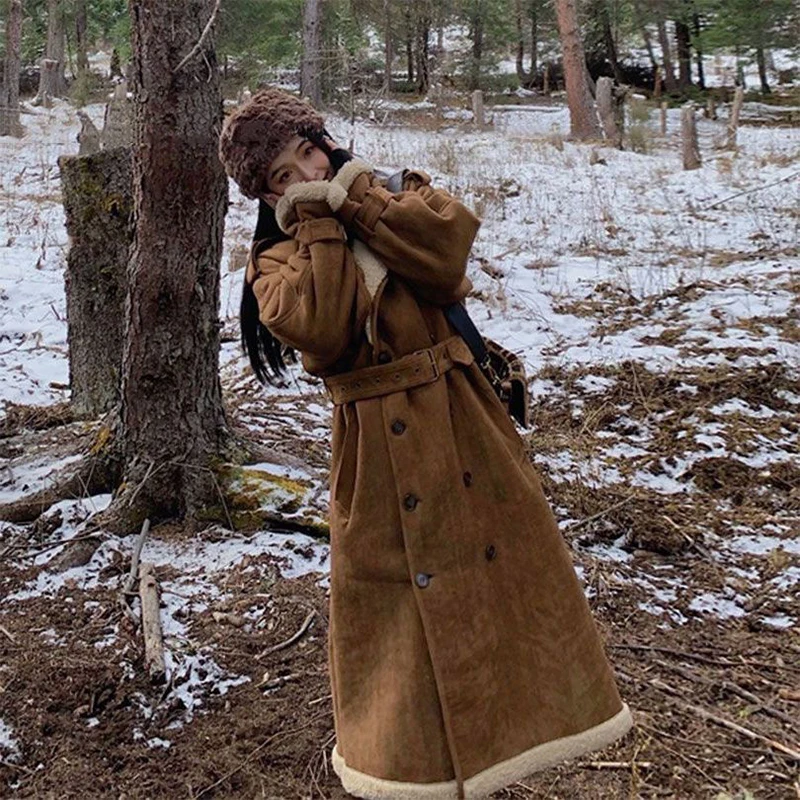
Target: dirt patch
[[76, 705]]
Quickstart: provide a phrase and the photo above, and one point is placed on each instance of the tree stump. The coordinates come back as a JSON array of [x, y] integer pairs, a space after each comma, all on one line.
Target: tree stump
[[733, 120], [689, 146], [88, 136], [49, 83], [664, 118], [98, 202], [117, 123], [607, 108], [477, 110]]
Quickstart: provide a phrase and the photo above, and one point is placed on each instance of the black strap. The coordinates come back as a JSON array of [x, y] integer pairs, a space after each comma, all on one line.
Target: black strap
[[458, 317], [456, 313]]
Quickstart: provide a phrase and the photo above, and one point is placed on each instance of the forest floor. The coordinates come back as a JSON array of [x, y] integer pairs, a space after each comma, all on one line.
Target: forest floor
[[657, 311]]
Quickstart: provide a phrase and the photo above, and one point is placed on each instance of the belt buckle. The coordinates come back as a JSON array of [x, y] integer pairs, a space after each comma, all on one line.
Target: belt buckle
[[434, 364]]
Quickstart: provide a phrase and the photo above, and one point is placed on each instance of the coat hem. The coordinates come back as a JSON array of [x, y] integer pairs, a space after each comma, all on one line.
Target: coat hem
[[493, 778]]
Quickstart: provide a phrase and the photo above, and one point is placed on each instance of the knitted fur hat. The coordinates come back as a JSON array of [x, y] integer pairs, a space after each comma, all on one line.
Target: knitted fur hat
[[257, 131]]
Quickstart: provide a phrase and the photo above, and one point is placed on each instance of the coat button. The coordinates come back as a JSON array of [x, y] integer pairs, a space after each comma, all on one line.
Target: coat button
[[384, 357], [398, 426], [410, 502], [491, 552], [422, 580], [468, 479]]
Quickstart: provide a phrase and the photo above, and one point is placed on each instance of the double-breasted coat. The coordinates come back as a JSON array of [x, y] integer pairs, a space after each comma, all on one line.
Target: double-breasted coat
[[463, 655]]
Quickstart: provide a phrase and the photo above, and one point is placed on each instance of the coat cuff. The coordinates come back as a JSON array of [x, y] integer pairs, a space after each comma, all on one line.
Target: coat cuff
[[305, 192], [345, 178]]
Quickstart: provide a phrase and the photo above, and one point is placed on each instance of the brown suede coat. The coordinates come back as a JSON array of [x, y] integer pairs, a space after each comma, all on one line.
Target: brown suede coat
[[462, 651]]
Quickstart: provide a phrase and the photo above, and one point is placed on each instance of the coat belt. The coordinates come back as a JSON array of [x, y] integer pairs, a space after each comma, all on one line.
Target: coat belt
[[416, 369]]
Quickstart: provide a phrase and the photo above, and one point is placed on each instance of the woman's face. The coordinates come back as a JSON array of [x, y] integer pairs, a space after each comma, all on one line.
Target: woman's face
[[301, 160]]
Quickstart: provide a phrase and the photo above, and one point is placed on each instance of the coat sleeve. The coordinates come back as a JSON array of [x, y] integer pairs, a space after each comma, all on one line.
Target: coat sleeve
[[310, 295], [422, 234]]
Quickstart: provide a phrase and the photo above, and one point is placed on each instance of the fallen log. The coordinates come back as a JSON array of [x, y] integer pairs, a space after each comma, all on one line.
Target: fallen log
[[151, 623]]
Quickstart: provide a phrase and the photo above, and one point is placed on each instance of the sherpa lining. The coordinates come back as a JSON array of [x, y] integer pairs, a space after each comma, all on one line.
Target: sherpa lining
[[490, 780], [305, 192], [345, 177], [374, 273]]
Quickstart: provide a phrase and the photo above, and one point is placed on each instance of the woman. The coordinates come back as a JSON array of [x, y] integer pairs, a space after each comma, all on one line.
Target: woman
[[463, 655]]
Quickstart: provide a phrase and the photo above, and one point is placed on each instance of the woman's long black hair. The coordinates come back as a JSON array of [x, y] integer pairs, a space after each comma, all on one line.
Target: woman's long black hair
[[265, 352]]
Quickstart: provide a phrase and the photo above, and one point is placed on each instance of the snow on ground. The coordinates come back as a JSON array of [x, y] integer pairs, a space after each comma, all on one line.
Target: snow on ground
[[602, 268]]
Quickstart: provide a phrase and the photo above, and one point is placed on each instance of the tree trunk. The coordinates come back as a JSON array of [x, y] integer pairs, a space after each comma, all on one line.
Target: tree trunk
[[51, 80], [477, 51], [611, 45], [524, 78], [9, 91], [666, 56], [648, 42], [423, 54], [409, 44], [311, 62], [684, 47], [583, 119], [689, 146], [701, 74], [762, 70], [172, 420], [388, 46], [98, 202], [534, 41], [81, 59]]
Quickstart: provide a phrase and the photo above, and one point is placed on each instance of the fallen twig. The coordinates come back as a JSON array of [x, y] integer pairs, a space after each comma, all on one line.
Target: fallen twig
[[582, 522], [616, 764], [730, 686], [726, 723], [130, 582], [196, 48], [53, 545], [292, 639], [281, 680], [8, 633], [253, 753], [717, 662], [750, 191], [151, 623], [734, 726]]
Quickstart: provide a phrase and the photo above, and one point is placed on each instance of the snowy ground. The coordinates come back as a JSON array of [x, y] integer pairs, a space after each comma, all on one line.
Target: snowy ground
[[657, 311]]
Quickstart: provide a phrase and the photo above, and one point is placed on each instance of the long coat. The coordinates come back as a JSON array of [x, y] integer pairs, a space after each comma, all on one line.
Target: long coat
[[463, 655]]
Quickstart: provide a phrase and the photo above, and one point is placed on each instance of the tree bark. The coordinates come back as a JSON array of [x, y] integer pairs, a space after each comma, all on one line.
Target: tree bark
[[51, 80], [684, 47], [670, 83], [9, 91], [534, 40], [311, 62], [98, 203], [172, 420], [583, 119]]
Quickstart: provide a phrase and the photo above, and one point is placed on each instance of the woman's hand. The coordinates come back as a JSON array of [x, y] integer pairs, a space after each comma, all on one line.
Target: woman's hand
[[305, 201]]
